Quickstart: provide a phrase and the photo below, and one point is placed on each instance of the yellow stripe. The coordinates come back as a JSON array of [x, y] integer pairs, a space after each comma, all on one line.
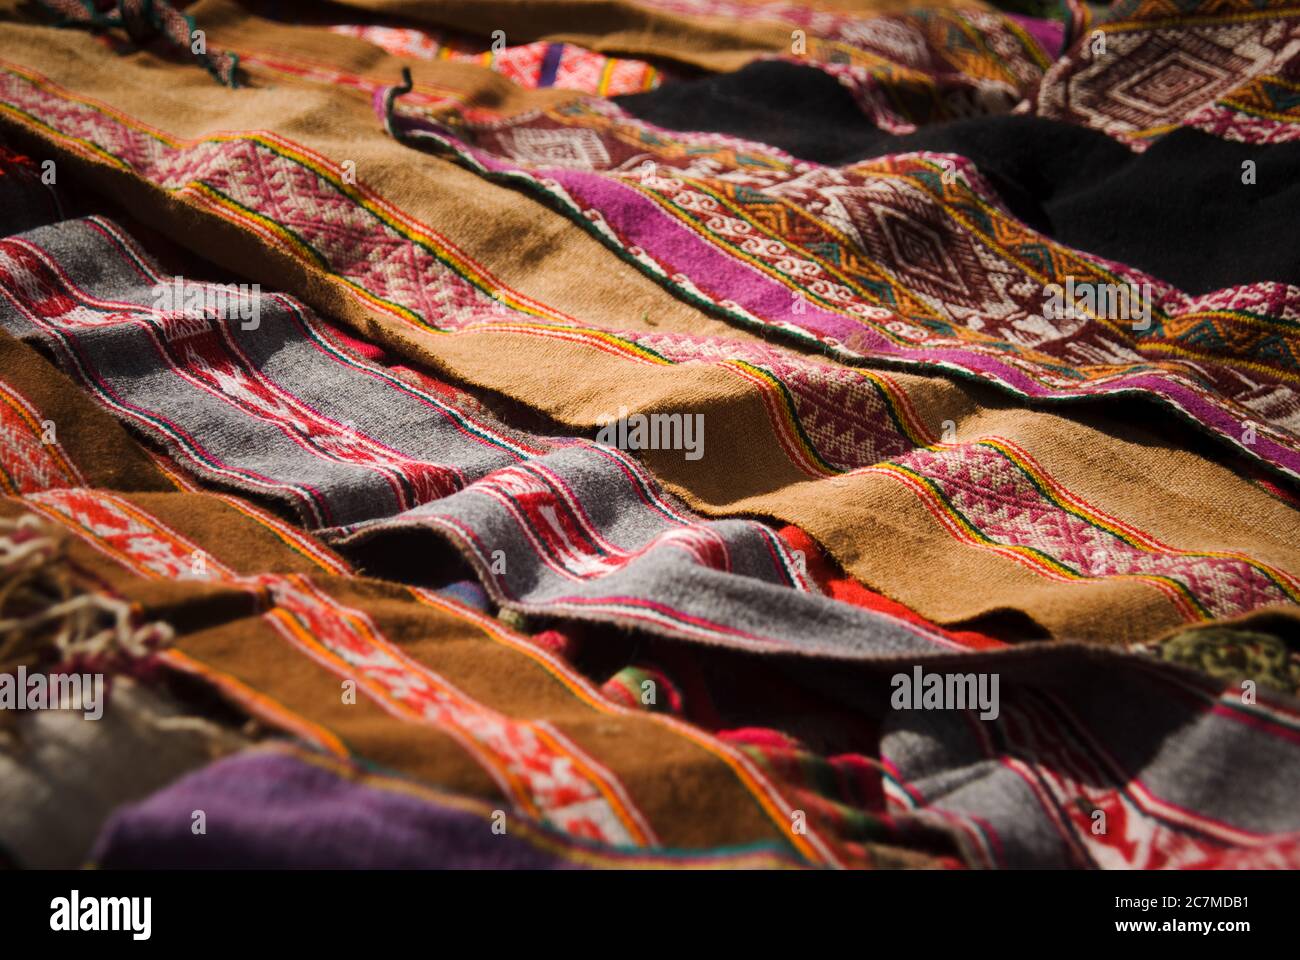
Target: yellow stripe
[[1279, 577]]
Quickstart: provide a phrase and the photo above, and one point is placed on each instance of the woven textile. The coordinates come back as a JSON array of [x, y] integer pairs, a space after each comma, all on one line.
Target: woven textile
[[913, 258], [559, 65], [465, 468], [296, 623]]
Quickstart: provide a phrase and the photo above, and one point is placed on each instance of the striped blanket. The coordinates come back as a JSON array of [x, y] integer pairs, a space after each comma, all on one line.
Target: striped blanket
[[644, 433]]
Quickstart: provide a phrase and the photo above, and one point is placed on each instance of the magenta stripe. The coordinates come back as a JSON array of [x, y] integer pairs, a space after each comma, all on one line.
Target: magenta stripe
[[641, 222]]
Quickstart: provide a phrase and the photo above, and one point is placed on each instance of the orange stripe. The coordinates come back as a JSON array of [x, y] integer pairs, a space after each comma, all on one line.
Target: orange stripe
[[258, 704], [812, 847]]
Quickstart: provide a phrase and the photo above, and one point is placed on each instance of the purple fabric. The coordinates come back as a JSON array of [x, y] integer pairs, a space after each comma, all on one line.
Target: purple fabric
[[550, 64], [269, 810]]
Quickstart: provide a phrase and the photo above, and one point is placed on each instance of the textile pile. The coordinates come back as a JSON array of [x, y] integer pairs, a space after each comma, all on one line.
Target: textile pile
[[640, 433]]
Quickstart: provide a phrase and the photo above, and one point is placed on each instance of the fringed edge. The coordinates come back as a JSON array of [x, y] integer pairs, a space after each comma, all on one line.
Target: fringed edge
[[48, 623]]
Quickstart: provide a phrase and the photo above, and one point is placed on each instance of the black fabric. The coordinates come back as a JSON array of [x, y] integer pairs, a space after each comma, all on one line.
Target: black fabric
[[799, 109], [1179, 211]]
